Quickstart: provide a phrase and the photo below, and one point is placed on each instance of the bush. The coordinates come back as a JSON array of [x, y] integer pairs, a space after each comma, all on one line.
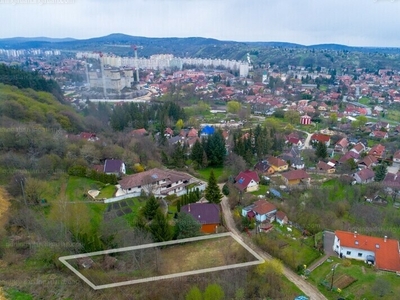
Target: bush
[[346, 263], [225, 190]]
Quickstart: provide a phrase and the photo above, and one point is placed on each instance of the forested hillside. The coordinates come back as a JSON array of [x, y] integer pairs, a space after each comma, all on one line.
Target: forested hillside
[[19, 78]]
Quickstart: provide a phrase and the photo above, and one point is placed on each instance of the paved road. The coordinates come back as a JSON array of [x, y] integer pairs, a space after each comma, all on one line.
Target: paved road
[[307, 288], [308, 139]]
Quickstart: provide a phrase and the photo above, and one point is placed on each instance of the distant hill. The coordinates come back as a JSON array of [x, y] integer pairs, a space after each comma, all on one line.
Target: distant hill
[[16, 40], [280, 53]]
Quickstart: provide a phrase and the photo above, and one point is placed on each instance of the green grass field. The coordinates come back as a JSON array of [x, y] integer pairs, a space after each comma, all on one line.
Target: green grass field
[[205, 173], [370, 284], [364, 100]]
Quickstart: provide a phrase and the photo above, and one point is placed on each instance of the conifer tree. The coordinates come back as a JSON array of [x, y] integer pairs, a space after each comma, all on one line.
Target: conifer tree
[[212, 192]]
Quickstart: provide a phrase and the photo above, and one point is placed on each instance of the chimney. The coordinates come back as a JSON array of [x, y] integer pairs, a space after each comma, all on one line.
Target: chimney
[[355, 234], [385, 238], [189, 207]]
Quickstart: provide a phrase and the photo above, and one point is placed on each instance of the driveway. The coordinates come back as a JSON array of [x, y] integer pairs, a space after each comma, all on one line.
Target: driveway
[[329, 238], [308, 289]]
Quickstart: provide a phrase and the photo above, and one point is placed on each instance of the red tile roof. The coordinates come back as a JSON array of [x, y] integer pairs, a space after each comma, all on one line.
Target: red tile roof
[[386, 253], [263, 207], [320, 137], [244, 178], [296, 174], [276, 162]]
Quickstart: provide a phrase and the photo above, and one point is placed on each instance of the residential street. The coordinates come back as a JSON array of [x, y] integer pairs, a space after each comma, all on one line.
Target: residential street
[[307, 288]]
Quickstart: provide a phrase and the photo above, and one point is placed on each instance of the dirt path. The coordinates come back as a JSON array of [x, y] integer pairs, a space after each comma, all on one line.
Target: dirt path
[[4, 205], [306, 287]]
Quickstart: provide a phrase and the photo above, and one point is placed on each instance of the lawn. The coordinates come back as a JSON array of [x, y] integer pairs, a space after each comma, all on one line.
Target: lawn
[[393, 115], [107, 192], [289, 246], [262, 190], [205, 173], [323, 87], [369, 284], [336, 191], [77, 187], [364, 100]]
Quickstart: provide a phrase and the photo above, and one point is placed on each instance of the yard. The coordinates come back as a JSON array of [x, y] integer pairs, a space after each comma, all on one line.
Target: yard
[[355, 279], [262, 190], [289, 246], [364, 100], [205, 173]]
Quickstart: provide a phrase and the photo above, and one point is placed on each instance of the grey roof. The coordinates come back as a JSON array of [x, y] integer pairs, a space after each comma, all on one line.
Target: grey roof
[[112, 166], [204, 213]]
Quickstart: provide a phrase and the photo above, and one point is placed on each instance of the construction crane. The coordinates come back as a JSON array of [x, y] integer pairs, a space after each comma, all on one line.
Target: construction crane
[[134, 48]]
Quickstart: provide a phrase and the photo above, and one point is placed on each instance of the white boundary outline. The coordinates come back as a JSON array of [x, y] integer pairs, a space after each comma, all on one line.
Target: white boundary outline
[[64, 259]]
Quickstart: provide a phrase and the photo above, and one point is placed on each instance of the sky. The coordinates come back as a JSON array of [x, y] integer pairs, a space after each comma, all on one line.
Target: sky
[[372, 23]]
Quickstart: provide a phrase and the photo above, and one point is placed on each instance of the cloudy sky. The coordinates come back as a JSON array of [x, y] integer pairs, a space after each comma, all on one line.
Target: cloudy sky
[[350, 22]]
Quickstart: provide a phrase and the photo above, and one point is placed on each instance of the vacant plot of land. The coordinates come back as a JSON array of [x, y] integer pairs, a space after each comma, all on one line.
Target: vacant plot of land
[[163, 261], [171, 259]]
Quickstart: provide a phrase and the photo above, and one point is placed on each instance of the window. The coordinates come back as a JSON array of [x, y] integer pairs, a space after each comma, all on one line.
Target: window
[[348, 252], [359, 254]]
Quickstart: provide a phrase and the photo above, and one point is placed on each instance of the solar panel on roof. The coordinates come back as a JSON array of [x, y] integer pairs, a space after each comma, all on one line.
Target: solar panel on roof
[[154, 176], [241, 180]]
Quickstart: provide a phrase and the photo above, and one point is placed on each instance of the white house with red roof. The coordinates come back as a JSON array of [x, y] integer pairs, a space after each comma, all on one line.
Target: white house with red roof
[[381, 252], [261, 210], [247, 181], [323, 138]]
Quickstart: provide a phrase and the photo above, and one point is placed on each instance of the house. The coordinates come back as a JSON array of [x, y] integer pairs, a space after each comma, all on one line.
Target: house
[[264, 168], [358, 148], [325, 168], [88, 136], [139, 132], [293, 141], [381, 252], [293, 158], [396, 159], [349, 155], [364, 176], [323, 138], [296, 177], [160, 183], [247, 181], [378, 151], [341, 146], [207, 214], [381, 125], [168, 132], [281, 218], [379, 134], [392, 181], [114, 166], [368, 161], [261, 210], [277, 164]]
